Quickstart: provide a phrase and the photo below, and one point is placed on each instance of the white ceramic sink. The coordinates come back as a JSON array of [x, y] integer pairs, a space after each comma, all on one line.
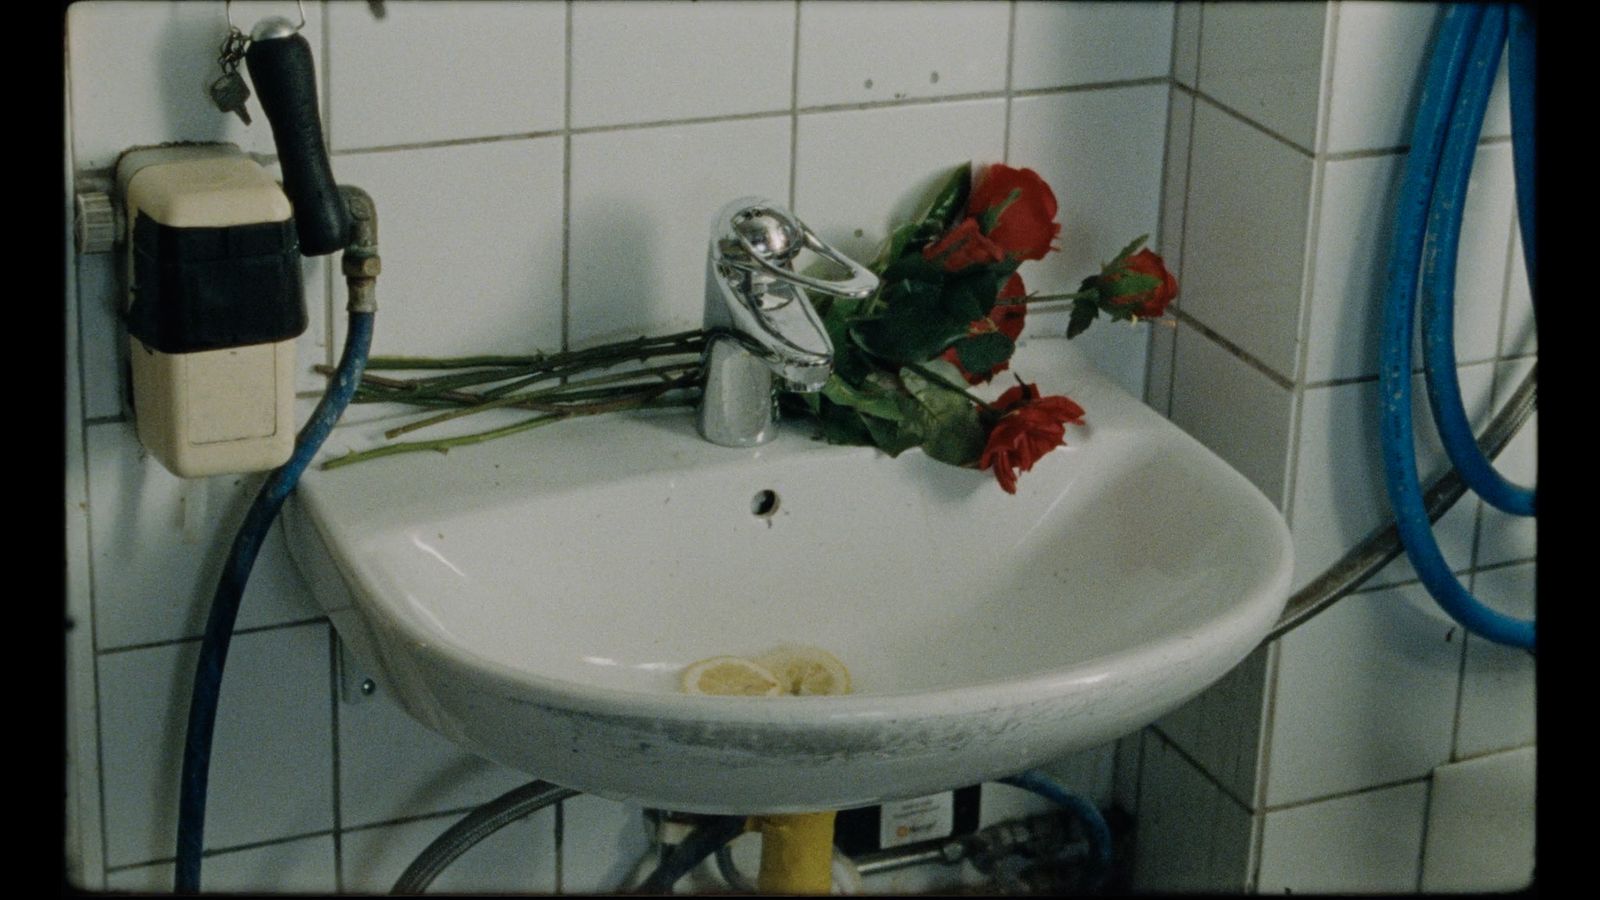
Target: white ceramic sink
[[535, 598]]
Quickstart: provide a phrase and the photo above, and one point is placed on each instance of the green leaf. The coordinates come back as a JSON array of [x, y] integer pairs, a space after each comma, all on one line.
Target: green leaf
[[893, 437], [1084, 311], [972, 294], [1132, 283], [947, 416], [914, 267], [871, 398], [990, 217], [917, 324], [980, 354], [841, 425], [1112, 267], [950, 201]]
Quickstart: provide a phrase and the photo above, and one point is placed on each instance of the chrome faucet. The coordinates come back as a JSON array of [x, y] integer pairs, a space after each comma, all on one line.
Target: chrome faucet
[[764, 333]]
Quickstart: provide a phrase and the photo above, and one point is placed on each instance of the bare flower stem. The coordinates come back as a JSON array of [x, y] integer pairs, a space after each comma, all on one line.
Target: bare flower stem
[[443, 445]]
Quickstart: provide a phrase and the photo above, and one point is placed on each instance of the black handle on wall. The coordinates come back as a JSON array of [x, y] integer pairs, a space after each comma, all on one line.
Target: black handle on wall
[[285, 80]]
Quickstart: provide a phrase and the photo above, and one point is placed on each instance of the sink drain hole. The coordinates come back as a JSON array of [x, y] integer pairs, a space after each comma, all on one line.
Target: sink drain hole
[[764, 504]]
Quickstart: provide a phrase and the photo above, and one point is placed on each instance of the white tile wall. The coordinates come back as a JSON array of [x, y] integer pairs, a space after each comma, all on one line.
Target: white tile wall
[[1175, 183], [1058, 44], [82, 838], [1498, 707], [1262, 60], [1519, 335], [861, 52], [156, 556], [1105, 189], [1350, 276], [650, 62], [1186, 43], [851, 168], [613, 838], [1105, 197], [1243, 280], [498, 287], [1375, 693], [1339, 494], [141, 73], [479, 236], [1503, 537], [272, 752], [302, 866], [1364, 843], [1371, 107], [1221, 728], [509, 58], [1481, 826], [1234, 409], [1338, 729], [1192, 836], [638, 239], [390, 767], [519, 858]]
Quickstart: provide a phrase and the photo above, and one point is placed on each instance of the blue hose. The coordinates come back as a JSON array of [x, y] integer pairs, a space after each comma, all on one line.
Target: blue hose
[[1088, 815], [1520, 74], [1439, 269], [230, 590], [1447, 77]]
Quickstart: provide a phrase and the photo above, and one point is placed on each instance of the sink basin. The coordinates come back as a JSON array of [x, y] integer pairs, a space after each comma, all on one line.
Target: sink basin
[[535, 598]]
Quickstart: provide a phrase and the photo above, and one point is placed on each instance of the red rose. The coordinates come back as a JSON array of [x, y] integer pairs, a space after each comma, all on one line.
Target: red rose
[[1146, 304], [1006, 317], [962, 246], [1030, 427], [1019, 210]]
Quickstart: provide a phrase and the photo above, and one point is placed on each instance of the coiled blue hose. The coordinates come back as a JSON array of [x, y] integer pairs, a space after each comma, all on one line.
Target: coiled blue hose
[[1444, 136], [1088, 815], [1440, 248], [230, 590]]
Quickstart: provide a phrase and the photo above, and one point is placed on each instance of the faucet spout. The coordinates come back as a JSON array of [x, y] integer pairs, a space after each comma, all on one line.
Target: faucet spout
[[765, 334]]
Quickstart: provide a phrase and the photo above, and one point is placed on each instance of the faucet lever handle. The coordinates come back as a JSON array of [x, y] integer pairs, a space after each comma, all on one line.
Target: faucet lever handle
[[776, 229]]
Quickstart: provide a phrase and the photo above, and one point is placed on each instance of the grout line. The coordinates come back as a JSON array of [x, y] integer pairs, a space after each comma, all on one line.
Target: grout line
[[338, 807], [449, 142], [559, 834], [566, 187], [222, 851], [197, 638], [413, 819], [1469, 757], [1011, 62], [1461, 677], [1275, 376], [1401, 149], [75, 300], [328, 323], [1223, 107], [1146, 81], [1269, 718], [794, 114], [1354, 792], [1204, 772], [1422, 845]]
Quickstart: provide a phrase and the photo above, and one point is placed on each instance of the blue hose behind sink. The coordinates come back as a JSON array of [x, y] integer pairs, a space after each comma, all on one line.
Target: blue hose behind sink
[[1444, 139], [230, 590]]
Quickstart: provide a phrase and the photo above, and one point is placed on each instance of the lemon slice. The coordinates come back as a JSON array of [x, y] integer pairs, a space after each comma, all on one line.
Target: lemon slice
[[807, 671], [730, 676]]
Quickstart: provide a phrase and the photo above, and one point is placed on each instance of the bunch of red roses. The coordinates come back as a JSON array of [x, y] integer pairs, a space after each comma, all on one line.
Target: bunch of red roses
[[948, 313]]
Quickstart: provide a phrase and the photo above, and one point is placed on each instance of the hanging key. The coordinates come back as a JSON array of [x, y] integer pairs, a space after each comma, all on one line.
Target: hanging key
[[229, 93]]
